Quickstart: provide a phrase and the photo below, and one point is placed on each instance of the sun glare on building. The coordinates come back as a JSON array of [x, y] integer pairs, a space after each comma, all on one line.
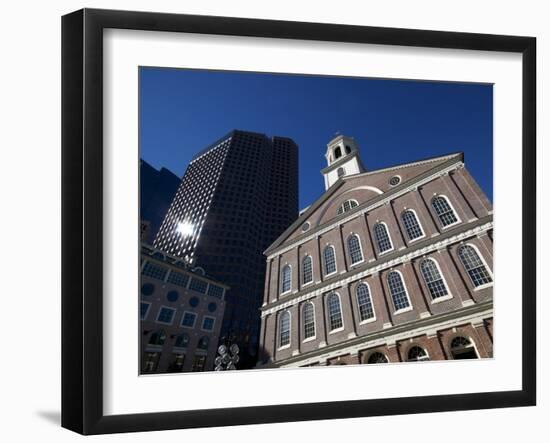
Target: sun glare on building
[[185, 228]]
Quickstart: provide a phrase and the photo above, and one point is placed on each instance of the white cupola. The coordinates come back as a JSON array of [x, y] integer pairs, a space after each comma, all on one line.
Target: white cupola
[[342, 159]]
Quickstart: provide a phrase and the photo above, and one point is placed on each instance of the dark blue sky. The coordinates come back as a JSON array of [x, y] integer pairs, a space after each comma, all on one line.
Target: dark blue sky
[[183, 111]]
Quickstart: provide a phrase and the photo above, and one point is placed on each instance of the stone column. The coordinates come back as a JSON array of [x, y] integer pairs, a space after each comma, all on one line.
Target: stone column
[[429, 225], [382, 305], [267, 280], [424, 308], [435, 349], [318, 264], [270, 343], [428, 208], [344, 254], [295, 329], [483, 341], [297, 271], [347, 312], [458, 286], [277, 280], [416, 294], [369, 240], [320, 321], [457, 200], [398, 224]]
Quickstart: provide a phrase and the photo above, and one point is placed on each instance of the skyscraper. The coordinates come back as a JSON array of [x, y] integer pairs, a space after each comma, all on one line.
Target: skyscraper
[[157, 189], [236, 197]]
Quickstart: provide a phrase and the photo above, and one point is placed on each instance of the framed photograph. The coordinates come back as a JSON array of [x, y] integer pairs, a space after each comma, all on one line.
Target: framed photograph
[[269, 221]]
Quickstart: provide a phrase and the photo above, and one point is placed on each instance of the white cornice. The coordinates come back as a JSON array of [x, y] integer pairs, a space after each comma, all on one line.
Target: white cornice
[[478, 230], [412, 186]]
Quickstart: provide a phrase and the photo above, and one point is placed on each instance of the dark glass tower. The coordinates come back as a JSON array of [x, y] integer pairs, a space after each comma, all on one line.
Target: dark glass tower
[[236, 197], [157, 190]]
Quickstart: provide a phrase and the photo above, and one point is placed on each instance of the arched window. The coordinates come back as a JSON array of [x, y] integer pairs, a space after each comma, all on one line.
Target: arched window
[[348, 149], [382, 238], [444, 211], [341, 172], [412, 227], [416, 353], [203, 342], [354, 249], [334, 312], [433, 278], [398, 291], [308, 317], [307, 270], [474, 265], [330, 260], [337, 152], [182, 341], [462, 348], [348, 205], [158, 337], [377, 357], [286, 279], [284, 329], [364, 302]]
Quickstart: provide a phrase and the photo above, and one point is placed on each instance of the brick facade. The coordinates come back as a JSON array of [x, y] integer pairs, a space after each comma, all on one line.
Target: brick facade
[[442, 307]]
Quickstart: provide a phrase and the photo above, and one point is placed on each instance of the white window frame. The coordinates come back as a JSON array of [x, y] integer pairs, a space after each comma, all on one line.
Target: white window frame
[[324, 261], [448, 200], [416, 345], [314, 336], [443, 297], [286, 265], [341, 328], [312, 275], [458, 334], [194, 321], [371, 353], [360, 249], [376, 239], [402, 310], [342, 208], [160, 310], [279, 319], [482, 258], [419, 225], [204, 317], [147, 311], [373, 318]]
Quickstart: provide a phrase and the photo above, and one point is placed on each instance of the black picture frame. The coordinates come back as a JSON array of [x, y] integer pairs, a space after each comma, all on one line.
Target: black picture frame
[[82, 157]]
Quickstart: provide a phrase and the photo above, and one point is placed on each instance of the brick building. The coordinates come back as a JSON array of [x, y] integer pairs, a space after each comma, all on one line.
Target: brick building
[[181, 312], [386, 266]]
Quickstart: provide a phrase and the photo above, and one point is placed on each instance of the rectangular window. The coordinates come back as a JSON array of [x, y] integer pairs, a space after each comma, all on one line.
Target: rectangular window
[[188, 320], [215, 291], [178, 278], [208, 323], [150, 361], [199, 362], [154, 271], [198, 285], [143, 308], [166, 315], [177, 363]]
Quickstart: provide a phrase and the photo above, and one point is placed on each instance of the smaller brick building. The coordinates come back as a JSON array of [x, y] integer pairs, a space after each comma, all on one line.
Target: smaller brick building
[[386, 266], [181, 312]]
